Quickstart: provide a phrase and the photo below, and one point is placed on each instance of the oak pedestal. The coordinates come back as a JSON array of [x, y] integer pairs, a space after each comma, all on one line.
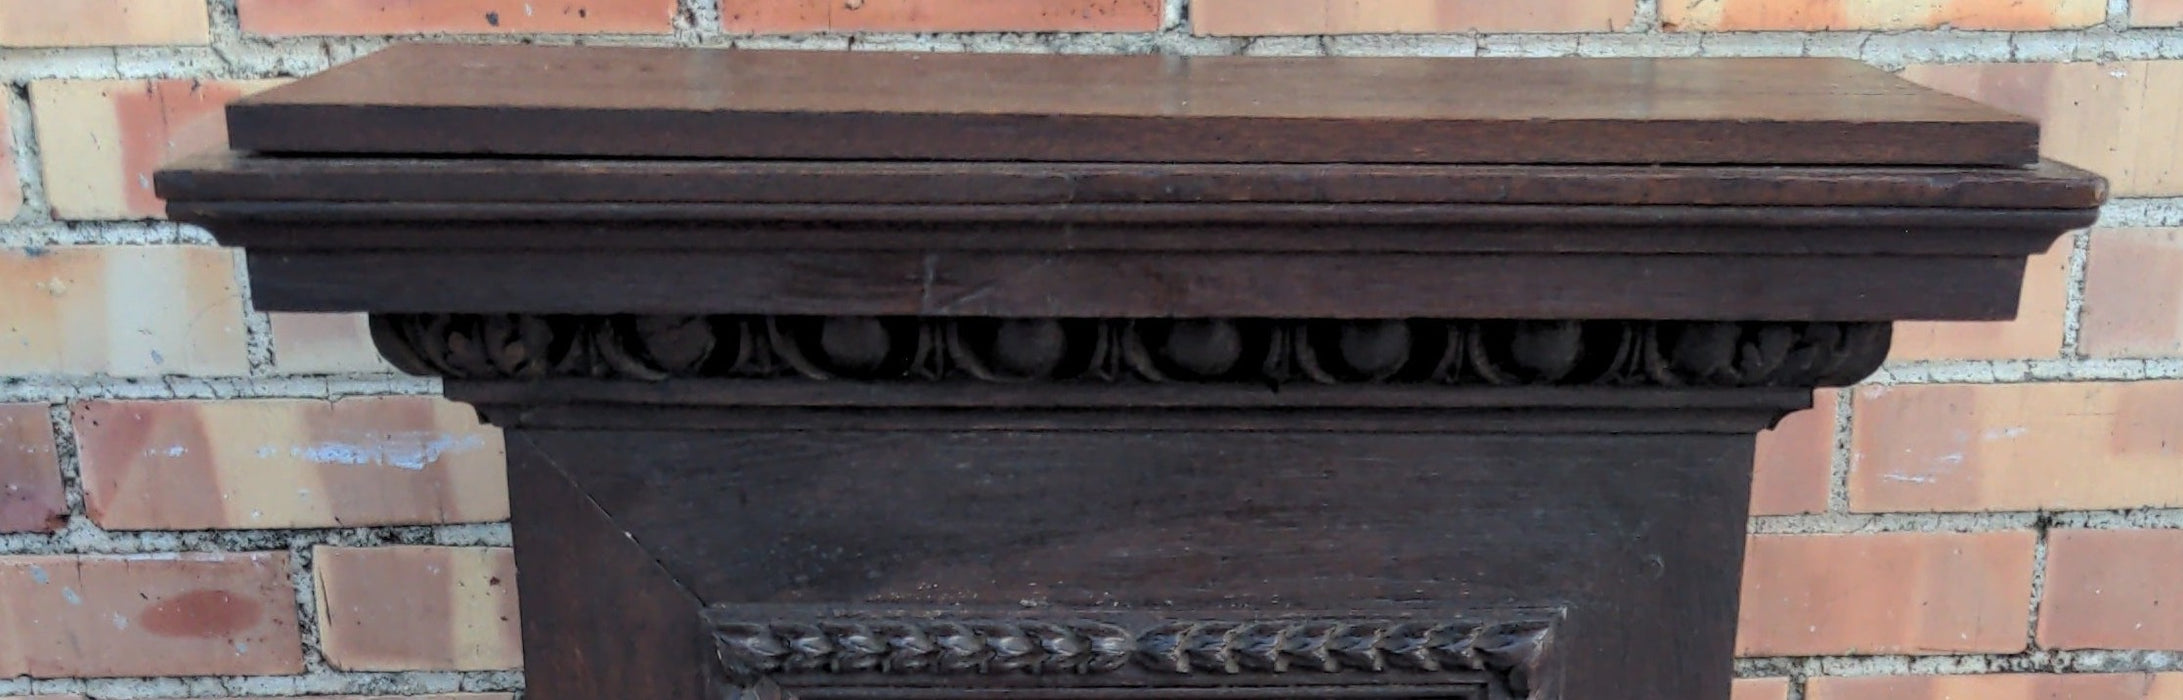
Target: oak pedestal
[[942, 376]]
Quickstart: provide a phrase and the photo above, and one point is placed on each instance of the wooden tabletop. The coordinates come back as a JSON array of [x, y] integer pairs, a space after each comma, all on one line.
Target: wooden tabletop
[[704, 103]]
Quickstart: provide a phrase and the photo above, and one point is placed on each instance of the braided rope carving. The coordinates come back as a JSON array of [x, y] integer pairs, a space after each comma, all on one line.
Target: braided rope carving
[[923, 647], [750, 651]]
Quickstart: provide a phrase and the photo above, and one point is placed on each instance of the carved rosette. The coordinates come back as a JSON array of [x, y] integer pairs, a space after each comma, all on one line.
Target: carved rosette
[[1262, 351], [1505, 653]]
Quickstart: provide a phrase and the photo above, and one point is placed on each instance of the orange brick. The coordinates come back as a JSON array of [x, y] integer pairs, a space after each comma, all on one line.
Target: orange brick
[[2113, 589], [193, 465], [102, 139], [2133, 293], [365, 17], [793, 16], [2122, 120], [2017, 447], [1796, 461], [2075, 686], [11, 186], [120, 310], [2156, 13], [1258, 17], [418, 608], [2036, 333], [1884, 15], [324, 344], [1760, 689], [31, 499], [148, 615], [1890, 593], [103, 22]]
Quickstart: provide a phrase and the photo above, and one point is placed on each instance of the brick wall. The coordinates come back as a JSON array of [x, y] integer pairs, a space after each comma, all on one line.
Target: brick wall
[[1997, 515]]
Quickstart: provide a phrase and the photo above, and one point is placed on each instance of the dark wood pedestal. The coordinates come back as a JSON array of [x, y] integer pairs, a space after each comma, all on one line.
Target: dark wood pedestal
[[871, 377], [1530, 541]]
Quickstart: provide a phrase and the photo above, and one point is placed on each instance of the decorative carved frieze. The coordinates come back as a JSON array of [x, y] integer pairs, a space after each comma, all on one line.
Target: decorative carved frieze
[[1502, 655], [1259, 351]]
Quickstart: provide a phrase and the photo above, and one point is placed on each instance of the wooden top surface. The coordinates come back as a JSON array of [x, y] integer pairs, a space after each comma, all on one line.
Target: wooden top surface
[[704, 103]]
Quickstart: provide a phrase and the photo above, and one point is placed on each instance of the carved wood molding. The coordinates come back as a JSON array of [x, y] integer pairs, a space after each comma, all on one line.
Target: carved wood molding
[[1251, 351], [1503, 656]]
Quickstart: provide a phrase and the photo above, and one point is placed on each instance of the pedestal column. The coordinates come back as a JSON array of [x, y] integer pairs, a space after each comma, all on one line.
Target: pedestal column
[[857, 507]]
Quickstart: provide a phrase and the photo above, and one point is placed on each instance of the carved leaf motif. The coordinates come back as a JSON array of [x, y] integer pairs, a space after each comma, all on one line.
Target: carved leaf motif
[[751, 651]]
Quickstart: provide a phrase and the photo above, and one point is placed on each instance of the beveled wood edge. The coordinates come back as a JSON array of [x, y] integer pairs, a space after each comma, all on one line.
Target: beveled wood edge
[[510, 130], [732, 405], [1742, 422], [1633, 284], [215, 214], [601, 617], [766, 394], [1984, 234], [239, 176]]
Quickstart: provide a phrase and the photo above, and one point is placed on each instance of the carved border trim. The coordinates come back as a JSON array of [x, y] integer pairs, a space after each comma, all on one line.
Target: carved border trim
[[1247, 351], [1504, 655]]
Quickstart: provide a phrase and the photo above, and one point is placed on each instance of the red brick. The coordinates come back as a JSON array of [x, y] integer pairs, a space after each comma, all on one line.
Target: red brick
[[1820, 15], [121, 310], [1260, 17], [418, 608], [2156, 13], [370, 17], [2014, 447], [102, 139], [797, 16], [324, 344], [2122, 120], [1796, 461], [192, 465], [2077, 686], [11, 186], [103, 23], [2133, 293], [148, 615], [30, 474], [1888, 593], [2113, 589], [1760, 689], [2036, 333]]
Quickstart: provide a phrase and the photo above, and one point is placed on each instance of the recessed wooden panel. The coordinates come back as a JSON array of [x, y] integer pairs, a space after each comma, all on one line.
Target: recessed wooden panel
[[1266, 523]]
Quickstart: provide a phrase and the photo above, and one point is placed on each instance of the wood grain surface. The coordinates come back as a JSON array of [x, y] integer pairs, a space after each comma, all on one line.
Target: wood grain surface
[[704, 103]]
